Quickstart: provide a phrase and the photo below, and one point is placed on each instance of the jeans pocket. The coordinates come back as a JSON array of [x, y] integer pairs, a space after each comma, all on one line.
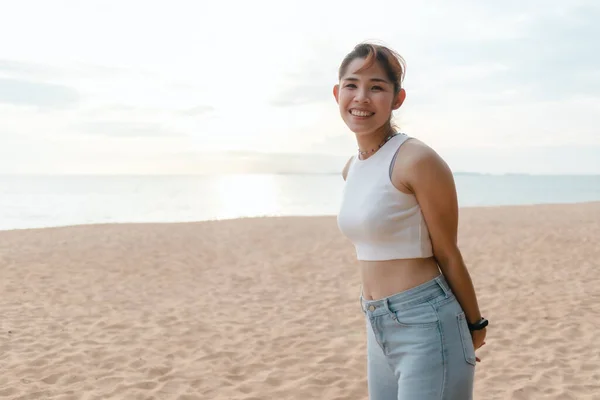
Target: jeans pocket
[[466, 339], [422, 316]]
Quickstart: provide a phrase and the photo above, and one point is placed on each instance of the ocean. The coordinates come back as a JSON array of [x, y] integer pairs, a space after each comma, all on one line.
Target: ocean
[[48, 201]]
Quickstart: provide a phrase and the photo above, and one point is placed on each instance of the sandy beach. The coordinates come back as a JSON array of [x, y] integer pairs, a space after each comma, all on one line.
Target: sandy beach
[[268, 308]]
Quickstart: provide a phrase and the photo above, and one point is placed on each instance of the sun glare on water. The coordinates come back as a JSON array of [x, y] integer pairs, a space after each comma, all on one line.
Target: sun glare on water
[[247, 195]]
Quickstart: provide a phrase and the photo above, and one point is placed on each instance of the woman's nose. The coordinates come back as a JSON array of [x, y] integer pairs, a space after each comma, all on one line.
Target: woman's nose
[[361, 97]]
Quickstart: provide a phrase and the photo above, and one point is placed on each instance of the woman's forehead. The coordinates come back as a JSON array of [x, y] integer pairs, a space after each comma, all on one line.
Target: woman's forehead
[[355, 70]]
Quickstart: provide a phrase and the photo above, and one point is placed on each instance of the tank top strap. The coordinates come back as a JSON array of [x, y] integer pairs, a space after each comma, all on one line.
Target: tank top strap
[[391, 152]]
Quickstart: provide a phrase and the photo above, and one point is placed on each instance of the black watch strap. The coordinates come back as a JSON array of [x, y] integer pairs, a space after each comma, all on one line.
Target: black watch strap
[[479, 325]]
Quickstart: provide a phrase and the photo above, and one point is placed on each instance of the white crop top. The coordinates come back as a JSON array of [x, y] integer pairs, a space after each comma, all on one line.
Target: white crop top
[[382, 222]]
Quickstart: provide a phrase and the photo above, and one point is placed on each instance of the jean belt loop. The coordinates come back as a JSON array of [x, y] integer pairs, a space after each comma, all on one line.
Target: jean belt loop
[[386, 304], [360, 299], [441, 281], [363, 306]]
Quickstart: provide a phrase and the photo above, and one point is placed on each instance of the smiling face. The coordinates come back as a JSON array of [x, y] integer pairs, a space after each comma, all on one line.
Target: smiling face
[[367, 98]]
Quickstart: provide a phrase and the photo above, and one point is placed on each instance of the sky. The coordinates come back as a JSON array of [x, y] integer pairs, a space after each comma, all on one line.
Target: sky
[[194, 87]]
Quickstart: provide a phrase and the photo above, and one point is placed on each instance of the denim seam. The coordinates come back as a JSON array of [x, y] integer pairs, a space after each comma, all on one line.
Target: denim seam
[[376, 334], [392, 312], [445, 301], [444, 355], [463, 340], [424, 326], [420, 296], [410, 304]]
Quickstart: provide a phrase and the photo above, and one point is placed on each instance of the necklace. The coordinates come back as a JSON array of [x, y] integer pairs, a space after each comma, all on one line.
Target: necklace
[[364, 152]]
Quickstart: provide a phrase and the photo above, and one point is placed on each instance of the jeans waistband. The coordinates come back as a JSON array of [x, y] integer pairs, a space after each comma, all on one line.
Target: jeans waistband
[[419, 294]]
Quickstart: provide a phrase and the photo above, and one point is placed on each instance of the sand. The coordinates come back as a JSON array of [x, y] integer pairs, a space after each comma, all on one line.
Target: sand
[[268, 308]]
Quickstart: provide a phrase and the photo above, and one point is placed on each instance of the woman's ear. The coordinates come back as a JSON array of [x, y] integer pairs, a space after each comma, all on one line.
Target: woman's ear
[[336, 93], [400, 97]]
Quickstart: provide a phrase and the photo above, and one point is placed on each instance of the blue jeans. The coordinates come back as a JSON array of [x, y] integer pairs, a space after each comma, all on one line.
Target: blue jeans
[[418, 345]]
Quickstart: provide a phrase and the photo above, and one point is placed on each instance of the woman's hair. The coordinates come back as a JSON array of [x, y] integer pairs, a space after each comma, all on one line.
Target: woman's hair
[[392, 63]]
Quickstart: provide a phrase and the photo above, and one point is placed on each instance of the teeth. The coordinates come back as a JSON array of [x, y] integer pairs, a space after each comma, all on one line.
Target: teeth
[[361, 113]]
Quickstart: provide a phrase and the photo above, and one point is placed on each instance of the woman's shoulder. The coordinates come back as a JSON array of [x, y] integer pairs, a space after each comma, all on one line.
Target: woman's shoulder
[[415, 153], [416, 161]]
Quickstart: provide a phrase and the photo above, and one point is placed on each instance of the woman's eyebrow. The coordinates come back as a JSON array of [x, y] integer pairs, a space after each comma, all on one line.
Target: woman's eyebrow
[[372, 79]]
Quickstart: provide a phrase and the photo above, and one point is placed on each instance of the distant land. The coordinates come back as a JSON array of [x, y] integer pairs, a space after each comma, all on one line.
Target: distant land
[[282, 173]]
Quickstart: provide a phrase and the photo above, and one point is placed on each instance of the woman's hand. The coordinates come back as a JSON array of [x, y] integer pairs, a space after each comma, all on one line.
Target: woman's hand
[[478, 340]]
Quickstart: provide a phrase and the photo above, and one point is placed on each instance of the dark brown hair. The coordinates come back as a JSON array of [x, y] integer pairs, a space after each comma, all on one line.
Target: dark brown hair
[[392, 63]]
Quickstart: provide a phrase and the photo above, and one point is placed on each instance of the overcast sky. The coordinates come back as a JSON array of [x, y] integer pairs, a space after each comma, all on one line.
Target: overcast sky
[[197, 86]]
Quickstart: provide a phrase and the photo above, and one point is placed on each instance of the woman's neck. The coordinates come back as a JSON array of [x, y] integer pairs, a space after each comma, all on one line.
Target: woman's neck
[[369, 144]]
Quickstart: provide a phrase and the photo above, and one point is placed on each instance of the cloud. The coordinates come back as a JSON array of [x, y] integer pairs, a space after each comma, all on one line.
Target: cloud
[[259, 162], [343, 144], [19, 68], [552, 55], [126, 129], [39, 71], [499, 55], [299, 94], [198, 110], [479, 74], [122, 112], [155, 114], [531, 159], [310, 79], [45, 95]]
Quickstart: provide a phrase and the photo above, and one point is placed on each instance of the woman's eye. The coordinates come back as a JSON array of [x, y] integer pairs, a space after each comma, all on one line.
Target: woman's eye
[[351, 85], [377, 88]]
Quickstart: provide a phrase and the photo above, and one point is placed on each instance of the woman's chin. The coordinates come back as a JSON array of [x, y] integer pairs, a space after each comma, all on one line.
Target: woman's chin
[[362, 130]]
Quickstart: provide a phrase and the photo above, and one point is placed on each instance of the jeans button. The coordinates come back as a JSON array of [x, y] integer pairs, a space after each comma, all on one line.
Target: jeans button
[[371, 308]]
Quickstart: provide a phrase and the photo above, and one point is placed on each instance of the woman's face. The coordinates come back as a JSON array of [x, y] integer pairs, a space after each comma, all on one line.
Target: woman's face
[[366, 99]]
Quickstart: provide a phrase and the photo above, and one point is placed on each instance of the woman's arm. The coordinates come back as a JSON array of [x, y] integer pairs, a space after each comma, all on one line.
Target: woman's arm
[[431, 180]]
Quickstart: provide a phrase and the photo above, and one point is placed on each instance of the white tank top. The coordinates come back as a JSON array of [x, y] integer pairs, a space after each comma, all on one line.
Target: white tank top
[[382, 222]]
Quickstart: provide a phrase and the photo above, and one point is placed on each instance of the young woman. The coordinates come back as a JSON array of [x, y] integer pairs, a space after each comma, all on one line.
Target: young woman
[[400, 211]]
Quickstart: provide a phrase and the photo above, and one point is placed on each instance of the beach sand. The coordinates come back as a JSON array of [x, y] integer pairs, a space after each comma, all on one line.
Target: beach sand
[[268, 308]]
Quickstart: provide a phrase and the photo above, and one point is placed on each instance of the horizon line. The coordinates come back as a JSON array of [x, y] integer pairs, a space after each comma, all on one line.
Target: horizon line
[[590, 174]]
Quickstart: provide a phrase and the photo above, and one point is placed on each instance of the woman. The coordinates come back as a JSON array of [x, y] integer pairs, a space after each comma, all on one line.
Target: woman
[[400, 210]]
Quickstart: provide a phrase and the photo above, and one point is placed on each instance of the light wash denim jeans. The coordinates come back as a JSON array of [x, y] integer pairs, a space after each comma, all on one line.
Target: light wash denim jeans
[[418, 345]]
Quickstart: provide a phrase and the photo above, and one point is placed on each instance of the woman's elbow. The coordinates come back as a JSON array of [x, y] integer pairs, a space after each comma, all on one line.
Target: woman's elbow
[[448, 255]]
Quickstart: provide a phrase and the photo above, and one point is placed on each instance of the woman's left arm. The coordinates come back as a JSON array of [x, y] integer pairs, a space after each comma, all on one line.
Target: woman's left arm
[[432, 182]]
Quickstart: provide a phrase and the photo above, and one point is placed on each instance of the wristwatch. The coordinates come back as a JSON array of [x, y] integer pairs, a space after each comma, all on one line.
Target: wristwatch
[[479, 325]]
